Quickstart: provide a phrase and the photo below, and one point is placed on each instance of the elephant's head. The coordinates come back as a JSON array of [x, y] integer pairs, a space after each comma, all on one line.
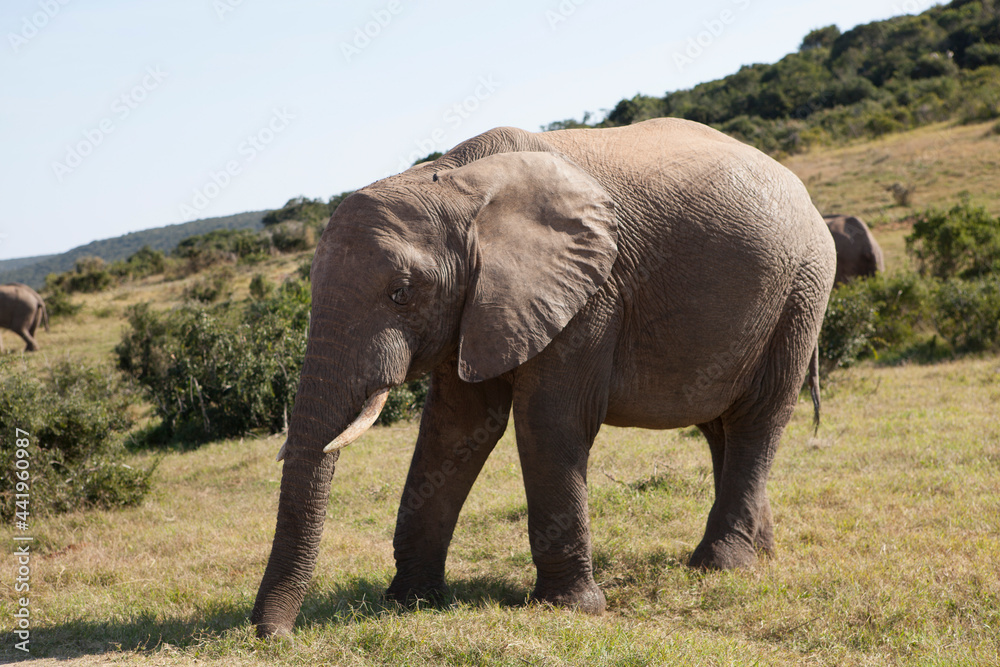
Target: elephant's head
[[485, 262]]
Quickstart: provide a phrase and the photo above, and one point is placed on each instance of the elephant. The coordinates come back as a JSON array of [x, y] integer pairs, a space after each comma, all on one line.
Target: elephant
[[858, 253], [657, 275], [21, 311]]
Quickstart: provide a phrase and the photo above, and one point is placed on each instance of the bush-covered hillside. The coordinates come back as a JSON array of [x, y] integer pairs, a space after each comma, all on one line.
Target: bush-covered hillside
[[874, 79], [120, 247]]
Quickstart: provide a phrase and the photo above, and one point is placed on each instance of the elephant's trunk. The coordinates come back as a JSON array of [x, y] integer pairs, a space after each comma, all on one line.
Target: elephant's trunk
[[305, 489]]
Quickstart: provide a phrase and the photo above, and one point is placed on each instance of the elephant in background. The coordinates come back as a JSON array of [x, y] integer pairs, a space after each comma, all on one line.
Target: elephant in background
[[858, 253], [22, 310], [658, 275]]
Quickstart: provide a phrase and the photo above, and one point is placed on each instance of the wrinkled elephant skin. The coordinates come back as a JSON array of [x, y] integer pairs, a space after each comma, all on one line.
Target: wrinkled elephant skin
[[658, 275]]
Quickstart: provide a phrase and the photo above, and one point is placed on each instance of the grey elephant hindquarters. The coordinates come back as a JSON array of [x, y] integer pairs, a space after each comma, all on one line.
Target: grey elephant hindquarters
[[658, 275], [22, 310], [858, 253]]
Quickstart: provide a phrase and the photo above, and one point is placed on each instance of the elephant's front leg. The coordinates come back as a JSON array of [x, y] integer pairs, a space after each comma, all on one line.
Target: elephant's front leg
[[553, 442], [460, 426]]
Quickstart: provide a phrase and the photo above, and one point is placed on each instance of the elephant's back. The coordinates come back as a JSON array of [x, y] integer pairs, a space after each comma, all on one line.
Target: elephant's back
[[687, 174], [714, 236]]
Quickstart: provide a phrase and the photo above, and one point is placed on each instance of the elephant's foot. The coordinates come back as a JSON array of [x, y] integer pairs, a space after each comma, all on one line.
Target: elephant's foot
[[724, 554], [763, 541], [408, 591], [583, 596]]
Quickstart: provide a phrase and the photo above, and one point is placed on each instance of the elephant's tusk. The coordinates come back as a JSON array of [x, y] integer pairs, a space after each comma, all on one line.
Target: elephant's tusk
[[369, 413], [281, 452]]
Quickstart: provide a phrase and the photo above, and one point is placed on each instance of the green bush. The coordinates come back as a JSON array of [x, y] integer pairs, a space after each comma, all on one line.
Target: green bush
[[968, 313], [214, 287], [963, 242], [903, 304], [215, 373], [225, 371], [57, 301], [221, 246], [292, 236], [143, 262], [91, 274], [76, 415], [848, 332], [260, 287]]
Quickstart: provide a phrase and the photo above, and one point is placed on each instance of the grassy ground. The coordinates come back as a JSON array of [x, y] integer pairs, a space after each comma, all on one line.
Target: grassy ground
[[887, 526], [887, 523]]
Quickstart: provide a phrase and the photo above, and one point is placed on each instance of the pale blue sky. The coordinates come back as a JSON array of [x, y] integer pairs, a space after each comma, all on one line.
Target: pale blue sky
[[122, 115]]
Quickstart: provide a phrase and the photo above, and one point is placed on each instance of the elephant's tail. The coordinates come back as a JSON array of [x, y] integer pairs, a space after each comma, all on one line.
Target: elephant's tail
[[45, 315], [814, 387]]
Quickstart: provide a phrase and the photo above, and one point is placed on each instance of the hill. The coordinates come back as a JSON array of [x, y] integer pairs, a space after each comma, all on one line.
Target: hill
[[32, 270], [875, 79]]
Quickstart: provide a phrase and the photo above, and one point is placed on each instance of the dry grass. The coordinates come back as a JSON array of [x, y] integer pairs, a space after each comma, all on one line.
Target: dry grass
[[938, 161], [887, 531]]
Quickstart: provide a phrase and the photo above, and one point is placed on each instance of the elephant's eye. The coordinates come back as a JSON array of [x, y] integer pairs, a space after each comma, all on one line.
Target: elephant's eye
[[401, 296]]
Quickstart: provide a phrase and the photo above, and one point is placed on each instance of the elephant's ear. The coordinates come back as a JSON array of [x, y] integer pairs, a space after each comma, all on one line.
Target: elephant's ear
[[544, 239]]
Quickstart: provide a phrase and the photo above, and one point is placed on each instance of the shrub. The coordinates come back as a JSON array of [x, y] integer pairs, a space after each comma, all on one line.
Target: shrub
[[968, 313], [302, 209], [225, 371], [292, 236], [221, 246], [932, 65], [57, 301], [901, 194], [903, 304], [848, 331], [211, 288], [305, 268], [75, 415], [260, 287], [982, 54], [962, 242], [90, 275], [218, 373], [143, 262]]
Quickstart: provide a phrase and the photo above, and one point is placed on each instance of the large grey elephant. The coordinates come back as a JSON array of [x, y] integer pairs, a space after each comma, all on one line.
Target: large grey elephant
[[658, 275], [21, 311], [858, 253]]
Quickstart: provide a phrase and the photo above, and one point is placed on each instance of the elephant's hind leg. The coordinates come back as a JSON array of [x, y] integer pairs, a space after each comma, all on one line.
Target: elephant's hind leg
[[740, 523], [715, 433], [32, 346]]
